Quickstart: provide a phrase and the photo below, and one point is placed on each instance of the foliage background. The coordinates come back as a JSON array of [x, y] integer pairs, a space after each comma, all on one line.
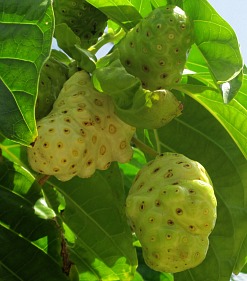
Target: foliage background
[[52, 225]]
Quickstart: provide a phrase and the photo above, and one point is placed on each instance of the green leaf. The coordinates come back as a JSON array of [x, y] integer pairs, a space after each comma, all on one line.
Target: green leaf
[[232, 116], [68, 41], [217, 42], [95, 213], [144, 7], [158, 3], [199, 136], [26, 29], [123, 12], [28, 243]]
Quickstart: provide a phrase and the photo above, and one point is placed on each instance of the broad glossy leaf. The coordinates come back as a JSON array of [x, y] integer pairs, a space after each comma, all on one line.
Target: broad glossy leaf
[[123, 12], [232, 116], [216, 40], [28, 243], [95, 213], [199, 136], [26, 29], [144, 7]]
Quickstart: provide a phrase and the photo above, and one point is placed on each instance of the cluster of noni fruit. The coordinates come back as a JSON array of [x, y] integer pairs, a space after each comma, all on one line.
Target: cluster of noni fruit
[[171, 205]]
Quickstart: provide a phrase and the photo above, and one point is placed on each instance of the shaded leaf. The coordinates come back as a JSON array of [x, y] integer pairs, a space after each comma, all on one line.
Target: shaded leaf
[[28, 243], [26, 29]]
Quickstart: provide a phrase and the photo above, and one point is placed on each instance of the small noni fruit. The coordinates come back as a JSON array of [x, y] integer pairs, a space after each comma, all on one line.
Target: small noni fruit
[[172, 209], [156, 49], [80, 134], [87, 22], [52, 77]]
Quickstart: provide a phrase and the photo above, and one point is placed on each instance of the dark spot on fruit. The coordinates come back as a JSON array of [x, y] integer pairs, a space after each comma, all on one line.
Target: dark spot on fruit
[[59, 145], [179, 211], [151, 219], [169, 174], [168, 236], [127, 62], [159, 25], [192, 228], [145, 68], [163, 75], [144, 84], [141, 185], [45, 144], [142, 206], [132, 44], [170, 222], [157, 203], [161, 62], [192, 191], [150, 189], [155, 170]]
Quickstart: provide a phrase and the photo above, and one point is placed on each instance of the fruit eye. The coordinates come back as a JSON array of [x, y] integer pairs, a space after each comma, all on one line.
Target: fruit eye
[[170, 222], [179, 211]]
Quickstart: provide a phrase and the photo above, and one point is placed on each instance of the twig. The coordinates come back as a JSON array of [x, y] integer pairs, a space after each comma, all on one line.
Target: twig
[[144, 148]]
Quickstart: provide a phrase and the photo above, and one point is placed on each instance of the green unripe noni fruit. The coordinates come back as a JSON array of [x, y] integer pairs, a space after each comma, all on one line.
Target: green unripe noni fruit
[[172, 209], [52, 77], [156, 49], [87, 22]]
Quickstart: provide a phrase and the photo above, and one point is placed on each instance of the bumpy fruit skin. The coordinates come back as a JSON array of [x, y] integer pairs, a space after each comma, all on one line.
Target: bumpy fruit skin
[[156, 49], [172, 209], [81, 133], [87, 22], [52, 77]]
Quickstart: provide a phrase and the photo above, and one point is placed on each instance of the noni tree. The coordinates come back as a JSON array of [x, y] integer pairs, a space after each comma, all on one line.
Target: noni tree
[[128, 164]]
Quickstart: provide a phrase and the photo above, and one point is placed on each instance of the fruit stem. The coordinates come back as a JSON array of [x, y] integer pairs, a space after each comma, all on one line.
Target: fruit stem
[[144, 148], [106, 38], [157, 140]]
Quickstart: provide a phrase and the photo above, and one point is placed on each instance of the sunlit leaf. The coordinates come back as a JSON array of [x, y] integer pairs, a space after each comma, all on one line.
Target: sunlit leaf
[[217, 42], [26, 29], [122, 12]]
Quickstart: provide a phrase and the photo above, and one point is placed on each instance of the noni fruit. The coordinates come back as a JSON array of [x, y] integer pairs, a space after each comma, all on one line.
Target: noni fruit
[[80, 134], [52, 77], [172, 209], [87, 22], [156, 49]]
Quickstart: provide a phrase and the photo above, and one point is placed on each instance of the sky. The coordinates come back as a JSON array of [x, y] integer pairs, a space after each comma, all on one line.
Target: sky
[[234, 12]]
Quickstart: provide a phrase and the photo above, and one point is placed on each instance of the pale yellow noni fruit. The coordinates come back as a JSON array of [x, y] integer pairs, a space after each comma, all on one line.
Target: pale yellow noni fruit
[[81, 133]]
